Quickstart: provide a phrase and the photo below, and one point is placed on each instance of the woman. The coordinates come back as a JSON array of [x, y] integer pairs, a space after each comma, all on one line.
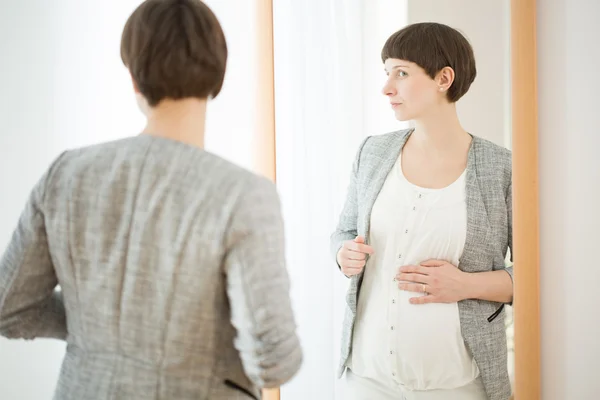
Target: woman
[[423, 237], [160, 248]]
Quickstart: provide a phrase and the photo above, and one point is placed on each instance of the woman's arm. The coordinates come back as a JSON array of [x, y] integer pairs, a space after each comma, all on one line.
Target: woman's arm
[[258, 288], [494, 285], [346, 228], [491, 286], [30, 307], [445, 283]]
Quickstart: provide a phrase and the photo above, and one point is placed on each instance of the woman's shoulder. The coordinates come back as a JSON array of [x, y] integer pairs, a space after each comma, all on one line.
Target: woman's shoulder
[[487, 148], [383, 141], [492, 159], [374, 149], [159, 158]]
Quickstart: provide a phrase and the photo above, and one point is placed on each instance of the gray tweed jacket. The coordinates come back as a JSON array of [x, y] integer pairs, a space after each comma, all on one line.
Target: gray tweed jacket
[[171, 266], [489, 235]]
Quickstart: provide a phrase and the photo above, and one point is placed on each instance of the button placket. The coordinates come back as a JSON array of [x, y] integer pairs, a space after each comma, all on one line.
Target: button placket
[[409, 225]]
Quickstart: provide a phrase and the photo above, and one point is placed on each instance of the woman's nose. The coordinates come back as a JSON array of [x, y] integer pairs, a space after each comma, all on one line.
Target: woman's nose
[[388, 89]]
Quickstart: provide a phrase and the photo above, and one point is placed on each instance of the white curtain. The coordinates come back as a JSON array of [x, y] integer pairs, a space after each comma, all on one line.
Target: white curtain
[[328, 79], [231, 117]]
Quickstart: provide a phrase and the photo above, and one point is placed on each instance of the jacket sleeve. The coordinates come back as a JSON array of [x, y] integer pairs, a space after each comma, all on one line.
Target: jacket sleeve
[[30, 306], [258, 289], [347, 224]]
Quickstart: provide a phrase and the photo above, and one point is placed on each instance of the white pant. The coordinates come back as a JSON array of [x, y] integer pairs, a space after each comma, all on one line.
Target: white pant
[[358, 388]]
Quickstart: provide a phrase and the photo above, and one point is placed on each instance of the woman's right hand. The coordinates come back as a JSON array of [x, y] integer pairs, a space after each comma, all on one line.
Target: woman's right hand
[[352, 256]]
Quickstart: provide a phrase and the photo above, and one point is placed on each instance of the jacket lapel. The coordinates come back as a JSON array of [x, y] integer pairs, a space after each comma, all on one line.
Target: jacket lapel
[[375, 173], [478, 225], [379, 173]]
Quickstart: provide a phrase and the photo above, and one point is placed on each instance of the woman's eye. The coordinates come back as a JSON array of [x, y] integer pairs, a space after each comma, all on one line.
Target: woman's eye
[[402, 74]]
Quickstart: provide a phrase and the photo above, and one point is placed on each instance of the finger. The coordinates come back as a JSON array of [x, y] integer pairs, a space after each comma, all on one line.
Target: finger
[[361, 248], [418, 278], [424, 299], [355, 255], [353, 264], [414, 269], [347, 254], [433, 263], [359, 239], [351, 271], [411, 287]]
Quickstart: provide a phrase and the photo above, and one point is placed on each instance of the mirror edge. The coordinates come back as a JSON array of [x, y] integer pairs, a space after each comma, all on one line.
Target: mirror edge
[[525, 199]]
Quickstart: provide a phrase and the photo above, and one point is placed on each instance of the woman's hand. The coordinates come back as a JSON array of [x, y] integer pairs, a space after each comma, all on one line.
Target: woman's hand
[[441, 281], [352, 256]]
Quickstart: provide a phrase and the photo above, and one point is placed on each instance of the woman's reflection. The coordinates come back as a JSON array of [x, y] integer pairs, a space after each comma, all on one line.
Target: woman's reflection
[[423, 235]]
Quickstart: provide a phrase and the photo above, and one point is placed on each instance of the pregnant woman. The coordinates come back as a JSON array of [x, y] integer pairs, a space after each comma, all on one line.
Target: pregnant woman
[[424, 235]]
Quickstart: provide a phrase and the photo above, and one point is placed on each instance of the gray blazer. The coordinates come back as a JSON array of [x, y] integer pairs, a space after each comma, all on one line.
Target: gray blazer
[[171, 266], [489, 235]]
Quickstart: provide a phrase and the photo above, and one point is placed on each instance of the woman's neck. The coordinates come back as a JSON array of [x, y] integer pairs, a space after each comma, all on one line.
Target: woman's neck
[[180, 120], [441, 131]]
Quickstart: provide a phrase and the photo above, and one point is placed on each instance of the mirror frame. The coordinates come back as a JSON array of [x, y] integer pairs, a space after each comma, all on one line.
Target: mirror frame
[[525, 180], [264, 148], [525, 200]]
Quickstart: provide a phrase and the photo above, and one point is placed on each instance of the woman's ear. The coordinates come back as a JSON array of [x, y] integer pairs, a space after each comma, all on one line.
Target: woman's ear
[[445, 78]]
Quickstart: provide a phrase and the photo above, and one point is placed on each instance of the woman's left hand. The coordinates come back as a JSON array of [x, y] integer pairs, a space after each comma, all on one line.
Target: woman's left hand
[[441, 281]]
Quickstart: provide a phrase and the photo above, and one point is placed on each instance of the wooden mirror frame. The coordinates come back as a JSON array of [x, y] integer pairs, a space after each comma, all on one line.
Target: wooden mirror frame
[[526, 256], [525, 179]]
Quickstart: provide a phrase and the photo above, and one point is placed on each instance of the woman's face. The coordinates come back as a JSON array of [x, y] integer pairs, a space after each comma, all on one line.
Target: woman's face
[[413, 94]]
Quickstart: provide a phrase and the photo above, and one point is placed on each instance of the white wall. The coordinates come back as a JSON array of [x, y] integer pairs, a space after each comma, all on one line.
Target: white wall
[[569, 139], [64, 86], [485, 109]]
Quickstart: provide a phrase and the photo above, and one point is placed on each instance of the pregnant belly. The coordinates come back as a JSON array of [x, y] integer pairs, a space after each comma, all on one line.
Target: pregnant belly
[[430, 352]]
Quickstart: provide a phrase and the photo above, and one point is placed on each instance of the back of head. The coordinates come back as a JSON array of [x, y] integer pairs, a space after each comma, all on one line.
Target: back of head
[[174, 49], [434, 46]]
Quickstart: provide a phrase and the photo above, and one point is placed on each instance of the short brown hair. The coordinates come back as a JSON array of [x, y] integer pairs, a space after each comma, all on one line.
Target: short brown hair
[[174, 49], [434, 46]]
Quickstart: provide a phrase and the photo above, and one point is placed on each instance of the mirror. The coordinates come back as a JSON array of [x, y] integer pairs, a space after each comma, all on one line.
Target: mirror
[[328, 83]]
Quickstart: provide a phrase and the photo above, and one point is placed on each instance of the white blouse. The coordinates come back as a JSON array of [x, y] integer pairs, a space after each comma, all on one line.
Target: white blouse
[[413, 347]]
